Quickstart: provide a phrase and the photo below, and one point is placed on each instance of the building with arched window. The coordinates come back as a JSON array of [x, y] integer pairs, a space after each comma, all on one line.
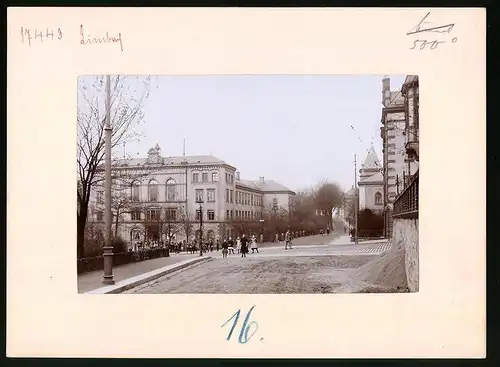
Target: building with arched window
[[165, 193]]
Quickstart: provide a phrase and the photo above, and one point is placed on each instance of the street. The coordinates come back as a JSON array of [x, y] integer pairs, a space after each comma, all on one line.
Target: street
[[304, 269]]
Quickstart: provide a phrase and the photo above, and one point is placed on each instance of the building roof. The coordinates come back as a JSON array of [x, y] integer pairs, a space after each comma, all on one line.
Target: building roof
[[410, 79], [397, 99], [371, 160], [247, 183], [193, 159], [375, 178], [270, 185], [350, 192]]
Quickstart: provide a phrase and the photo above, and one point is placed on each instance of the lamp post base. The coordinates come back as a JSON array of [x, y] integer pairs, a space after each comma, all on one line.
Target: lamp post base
[[107, 278]]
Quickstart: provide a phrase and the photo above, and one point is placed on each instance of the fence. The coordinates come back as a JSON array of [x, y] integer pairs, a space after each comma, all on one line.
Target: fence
[[406, 203], [87, 264]]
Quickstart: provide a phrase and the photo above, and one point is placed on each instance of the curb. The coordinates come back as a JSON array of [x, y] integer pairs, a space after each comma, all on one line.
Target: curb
[[138, 280]]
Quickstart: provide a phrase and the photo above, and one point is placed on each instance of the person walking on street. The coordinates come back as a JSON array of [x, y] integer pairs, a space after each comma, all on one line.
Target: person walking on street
[[244, 246], [288, 240], [254, 245], [217, 244], [224, 248]]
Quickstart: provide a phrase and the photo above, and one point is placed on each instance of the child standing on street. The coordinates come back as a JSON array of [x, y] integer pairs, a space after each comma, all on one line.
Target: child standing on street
[[254, 245]]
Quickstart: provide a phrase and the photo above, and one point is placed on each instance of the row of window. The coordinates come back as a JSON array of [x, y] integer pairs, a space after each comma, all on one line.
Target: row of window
[[204, 177], [243, 215], [171, 192], [244, 198], [229, 178], [155, 214], [247, 198], [199, 195]]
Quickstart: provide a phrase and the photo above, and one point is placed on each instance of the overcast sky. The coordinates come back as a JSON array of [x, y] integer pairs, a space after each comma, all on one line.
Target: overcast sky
[[290, 128]]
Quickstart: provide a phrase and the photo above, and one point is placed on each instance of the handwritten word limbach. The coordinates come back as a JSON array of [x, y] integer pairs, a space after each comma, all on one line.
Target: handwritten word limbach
[[439, 31], [40, 35], [88, 40]]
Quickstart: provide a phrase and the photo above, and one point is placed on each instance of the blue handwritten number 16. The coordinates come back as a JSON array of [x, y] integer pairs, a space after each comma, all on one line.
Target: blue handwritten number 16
[[244, 337]]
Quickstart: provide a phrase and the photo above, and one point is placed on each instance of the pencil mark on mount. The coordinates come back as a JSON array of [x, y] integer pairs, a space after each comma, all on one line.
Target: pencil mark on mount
[[439, 29], [88, 40]]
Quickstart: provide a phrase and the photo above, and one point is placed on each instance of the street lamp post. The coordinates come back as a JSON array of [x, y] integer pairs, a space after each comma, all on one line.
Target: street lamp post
[[108, 248], [261, 230], [201, 226]]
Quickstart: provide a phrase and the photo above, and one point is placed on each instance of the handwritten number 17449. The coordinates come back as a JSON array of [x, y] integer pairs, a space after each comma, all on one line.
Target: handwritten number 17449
[[244, 337]]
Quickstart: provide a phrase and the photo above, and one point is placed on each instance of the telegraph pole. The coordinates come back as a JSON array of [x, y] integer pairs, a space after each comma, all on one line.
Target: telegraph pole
[[355, 203], [108, 248]]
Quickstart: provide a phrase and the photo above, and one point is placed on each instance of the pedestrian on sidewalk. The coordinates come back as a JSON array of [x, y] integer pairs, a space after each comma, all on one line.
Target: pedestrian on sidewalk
[[254, 245], [288, 240], [244, 246], [217, 244], [224, 248]]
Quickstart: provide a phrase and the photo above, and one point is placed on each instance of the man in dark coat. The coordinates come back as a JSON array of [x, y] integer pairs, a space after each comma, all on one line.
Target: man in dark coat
[[244, 246]]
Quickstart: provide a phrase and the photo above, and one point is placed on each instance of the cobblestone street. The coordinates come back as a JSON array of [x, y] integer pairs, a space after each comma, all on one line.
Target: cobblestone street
[[304, 269]]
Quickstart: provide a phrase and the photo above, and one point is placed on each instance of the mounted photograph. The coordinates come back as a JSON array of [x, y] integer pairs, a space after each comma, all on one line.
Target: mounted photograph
[[247, 184]]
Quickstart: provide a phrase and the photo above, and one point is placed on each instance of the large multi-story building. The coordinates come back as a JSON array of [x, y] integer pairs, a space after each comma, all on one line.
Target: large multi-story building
[[398, 166], [162, 194]]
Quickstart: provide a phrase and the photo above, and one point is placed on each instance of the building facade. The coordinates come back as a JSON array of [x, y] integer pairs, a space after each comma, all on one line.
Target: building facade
[[170, 196], [371, 183], [398, 165]]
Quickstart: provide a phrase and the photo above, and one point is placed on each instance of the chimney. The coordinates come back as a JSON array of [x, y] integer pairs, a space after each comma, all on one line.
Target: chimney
[[261, 179], [237, 176], [386, 91]]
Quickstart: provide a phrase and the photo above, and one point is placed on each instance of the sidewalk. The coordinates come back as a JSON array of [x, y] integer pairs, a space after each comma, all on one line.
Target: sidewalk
[[93, 280], [314, 240], [346, 240]]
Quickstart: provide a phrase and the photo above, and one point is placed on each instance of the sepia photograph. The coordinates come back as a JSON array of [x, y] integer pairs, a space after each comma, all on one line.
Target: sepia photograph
[[247, 184]]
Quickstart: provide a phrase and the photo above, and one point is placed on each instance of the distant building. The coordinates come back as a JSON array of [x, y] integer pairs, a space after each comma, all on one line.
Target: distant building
[[371, 183], [170, 189]]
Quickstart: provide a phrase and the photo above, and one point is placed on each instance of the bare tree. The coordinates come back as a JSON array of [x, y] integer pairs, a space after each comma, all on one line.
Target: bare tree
[[171, 224], [186, 221], [128, 95], [328, 197]]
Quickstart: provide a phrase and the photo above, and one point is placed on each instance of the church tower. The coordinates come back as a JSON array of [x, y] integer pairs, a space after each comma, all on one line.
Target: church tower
[[371, 183]]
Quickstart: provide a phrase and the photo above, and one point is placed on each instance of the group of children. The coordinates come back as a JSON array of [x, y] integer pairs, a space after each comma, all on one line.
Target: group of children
[[241, 246]]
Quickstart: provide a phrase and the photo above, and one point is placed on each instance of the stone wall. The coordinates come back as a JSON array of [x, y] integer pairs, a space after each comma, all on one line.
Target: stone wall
[[405, 232]]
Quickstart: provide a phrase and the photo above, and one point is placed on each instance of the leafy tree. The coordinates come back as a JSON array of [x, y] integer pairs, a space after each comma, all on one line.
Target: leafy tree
[[328, 197]]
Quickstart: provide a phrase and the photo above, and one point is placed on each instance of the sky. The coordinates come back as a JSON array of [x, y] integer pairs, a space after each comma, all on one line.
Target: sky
[[294, 129]]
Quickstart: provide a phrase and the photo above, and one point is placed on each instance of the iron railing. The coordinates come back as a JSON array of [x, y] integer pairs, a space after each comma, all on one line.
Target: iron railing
[[406, 203]]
